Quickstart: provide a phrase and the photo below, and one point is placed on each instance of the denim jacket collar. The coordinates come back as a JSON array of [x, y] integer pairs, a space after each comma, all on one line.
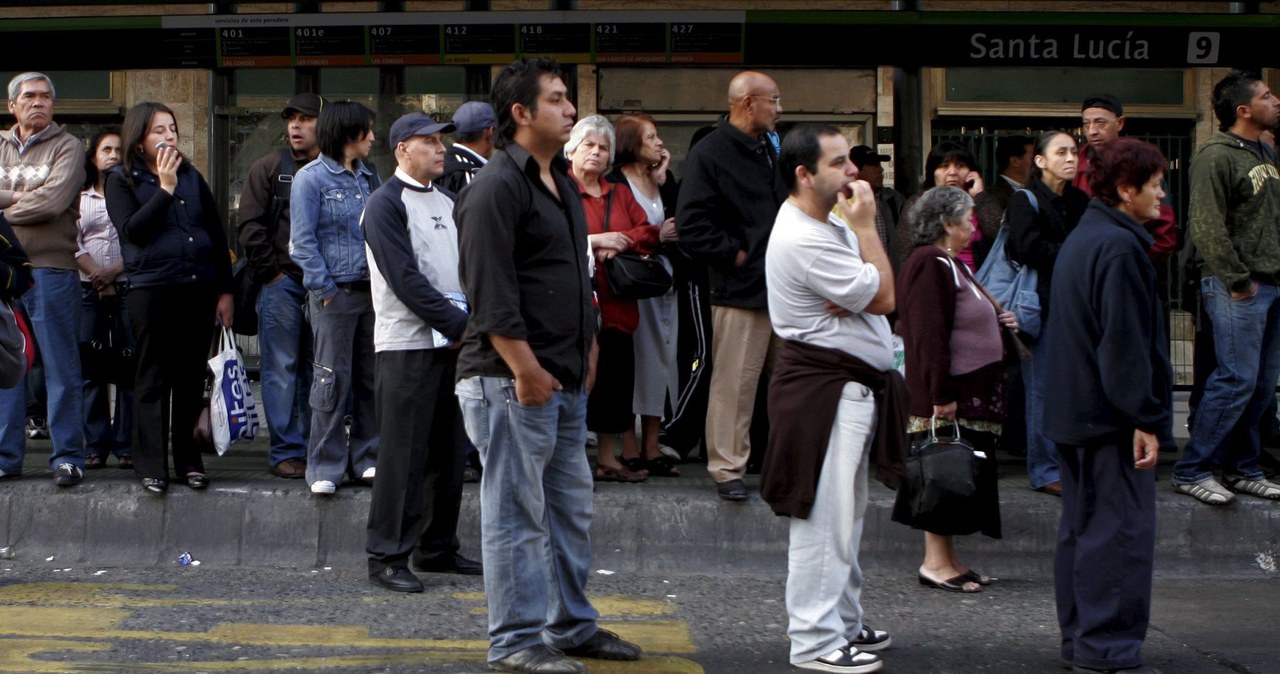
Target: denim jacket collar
[[335, 167]]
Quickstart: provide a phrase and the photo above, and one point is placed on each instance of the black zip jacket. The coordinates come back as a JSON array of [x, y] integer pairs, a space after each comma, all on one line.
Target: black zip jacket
[[729, 199]]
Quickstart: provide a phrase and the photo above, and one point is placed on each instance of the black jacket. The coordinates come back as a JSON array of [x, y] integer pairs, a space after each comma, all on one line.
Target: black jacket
[[15, 266], [266, 244], [729, 199], [460, 166], [168, 239], [1036, 235], [1110, 364]]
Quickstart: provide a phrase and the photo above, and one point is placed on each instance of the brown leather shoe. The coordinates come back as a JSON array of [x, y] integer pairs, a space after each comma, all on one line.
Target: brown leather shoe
[[290, 468], [1053, 488]]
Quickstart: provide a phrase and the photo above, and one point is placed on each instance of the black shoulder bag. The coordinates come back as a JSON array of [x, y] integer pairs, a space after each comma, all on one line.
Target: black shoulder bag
[[633, 276]]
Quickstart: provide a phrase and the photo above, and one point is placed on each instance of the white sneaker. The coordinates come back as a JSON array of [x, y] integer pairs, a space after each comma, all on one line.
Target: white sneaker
[[323, 487], [369, 473], [1260, 487], [849, 660], [1206, 491]]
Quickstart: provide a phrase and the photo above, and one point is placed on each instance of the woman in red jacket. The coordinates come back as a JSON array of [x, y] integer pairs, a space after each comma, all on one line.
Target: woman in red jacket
[[615, 224]]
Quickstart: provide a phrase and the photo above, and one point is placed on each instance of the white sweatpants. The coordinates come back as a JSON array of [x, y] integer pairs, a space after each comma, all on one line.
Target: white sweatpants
[[824, 581]]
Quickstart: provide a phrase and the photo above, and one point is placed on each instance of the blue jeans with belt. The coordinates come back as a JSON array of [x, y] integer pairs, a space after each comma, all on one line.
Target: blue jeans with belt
[[535, 514]]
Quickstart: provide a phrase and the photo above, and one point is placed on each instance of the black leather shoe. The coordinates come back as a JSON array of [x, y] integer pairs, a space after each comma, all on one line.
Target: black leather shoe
[[454, 563], [396, 579], [155, 485], [197, 480], [732, 490], [605, 645], [538, 659]]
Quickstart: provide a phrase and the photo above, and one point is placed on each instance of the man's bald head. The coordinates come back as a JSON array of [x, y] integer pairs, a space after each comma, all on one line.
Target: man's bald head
[[754, 103]]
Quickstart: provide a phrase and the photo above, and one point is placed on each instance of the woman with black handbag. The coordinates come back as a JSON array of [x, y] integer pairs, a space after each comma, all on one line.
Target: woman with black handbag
[[955, 360], [179, 268], [615, 224], [106, 343]]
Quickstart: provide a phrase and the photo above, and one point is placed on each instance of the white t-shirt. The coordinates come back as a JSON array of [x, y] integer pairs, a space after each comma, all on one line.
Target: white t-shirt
[[809, 262]]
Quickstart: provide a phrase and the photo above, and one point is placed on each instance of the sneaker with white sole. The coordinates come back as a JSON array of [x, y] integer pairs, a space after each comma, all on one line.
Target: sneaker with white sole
[[1207, 491], [1261, 487], [323, 487], [67, 475], [845, 659], [870, 639], [369, 473]]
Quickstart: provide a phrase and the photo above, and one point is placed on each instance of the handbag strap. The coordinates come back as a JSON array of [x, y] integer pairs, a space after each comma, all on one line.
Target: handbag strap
[[608, 206]]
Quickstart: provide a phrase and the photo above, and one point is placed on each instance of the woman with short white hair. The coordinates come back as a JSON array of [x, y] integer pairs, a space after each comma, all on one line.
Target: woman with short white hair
[[615, 224]]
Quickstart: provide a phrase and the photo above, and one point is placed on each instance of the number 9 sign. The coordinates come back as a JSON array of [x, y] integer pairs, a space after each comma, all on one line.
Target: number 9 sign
[[1202, 48]]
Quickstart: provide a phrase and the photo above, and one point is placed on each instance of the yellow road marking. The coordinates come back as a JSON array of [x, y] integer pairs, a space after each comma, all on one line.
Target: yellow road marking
[[87, 617]]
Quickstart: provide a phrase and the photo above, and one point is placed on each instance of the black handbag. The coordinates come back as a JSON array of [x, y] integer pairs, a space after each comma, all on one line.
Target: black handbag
[[942, 478], [633, 276]]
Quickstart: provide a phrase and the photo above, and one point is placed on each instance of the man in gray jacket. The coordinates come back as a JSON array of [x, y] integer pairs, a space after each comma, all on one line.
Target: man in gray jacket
[[41, 171]]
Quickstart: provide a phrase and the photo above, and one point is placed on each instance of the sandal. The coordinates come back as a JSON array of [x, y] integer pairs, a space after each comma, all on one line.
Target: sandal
[[956, 584], [93, 461], [978, 578], [124, 462], [661, 466], [619, 474]]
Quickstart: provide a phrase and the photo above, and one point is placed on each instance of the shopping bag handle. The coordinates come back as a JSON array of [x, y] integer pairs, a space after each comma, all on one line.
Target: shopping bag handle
[[933, 428]]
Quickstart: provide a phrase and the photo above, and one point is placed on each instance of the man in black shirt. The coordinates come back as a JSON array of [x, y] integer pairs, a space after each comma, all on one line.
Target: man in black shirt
[[527, 361]]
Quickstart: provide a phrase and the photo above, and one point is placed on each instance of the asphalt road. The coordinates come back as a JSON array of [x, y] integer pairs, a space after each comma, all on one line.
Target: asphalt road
[[55, 618]]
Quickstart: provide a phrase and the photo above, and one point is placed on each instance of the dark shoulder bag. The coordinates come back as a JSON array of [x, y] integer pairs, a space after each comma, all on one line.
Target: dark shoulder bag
[[633, 276]]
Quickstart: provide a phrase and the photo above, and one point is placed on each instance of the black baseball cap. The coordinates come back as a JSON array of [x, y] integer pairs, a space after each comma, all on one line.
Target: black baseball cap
[[417, 124], [307, 104], [861, 155]]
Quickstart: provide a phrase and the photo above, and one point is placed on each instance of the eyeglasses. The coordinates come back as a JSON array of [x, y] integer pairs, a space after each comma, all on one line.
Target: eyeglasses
[[776, 100]]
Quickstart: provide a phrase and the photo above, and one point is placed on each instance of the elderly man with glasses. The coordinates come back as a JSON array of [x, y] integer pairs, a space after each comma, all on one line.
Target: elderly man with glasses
[[728, 202]]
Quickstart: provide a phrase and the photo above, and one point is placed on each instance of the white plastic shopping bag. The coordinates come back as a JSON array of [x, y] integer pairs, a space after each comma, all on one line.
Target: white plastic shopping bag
[[231, 409]]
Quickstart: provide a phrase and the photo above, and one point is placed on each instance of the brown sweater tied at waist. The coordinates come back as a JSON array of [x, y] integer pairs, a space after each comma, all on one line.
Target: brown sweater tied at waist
[[804, 394]]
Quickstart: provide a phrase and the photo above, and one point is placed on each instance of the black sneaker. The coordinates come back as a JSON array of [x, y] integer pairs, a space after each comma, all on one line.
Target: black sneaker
[[37, 428], [67, 475], [844, 659], [871, 639]]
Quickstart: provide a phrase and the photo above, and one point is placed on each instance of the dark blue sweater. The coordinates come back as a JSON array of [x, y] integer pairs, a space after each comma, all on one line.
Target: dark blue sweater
[[1108, 366]]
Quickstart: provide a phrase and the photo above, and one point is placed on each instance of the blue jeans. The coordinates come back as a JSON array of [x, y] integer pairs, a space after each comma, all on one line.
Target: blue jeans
[[1246, 335], [51, 306], [535, 515], [106, 431], [284, 340], [1042, 457]]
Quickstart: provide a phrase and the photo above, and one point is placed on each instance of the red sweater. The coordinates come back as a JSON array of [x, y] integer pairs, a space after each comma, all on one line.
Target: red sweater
[[628, 217]]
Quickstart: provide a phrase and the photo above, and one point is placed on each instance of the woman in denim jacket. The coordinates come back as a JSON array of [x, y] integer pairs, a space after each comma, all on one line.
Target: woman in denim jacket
[[179, 269], [325, 205]]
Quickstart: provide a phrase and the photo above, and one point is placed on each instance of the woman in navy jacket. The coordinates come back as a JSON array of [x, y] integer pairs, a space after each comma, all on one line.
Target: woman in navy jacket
[[179, 268], [1112, 396]]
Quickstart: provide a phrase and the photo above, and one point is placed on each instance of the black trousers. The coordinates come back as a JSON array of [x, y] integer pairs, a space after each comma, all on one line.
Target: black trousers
[[1106, 548], [172, 328], [417, 490]]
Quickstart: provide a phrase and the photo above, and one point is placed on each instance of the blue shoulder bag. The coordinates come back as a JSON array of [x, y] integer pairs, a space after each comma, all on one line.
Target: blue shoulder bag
[[1013, 284]]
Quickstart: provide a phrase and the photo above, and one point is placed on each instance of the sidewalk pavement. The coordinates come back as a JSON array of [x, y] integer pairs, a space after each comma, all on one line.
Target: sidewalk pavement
[[668, 525]]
